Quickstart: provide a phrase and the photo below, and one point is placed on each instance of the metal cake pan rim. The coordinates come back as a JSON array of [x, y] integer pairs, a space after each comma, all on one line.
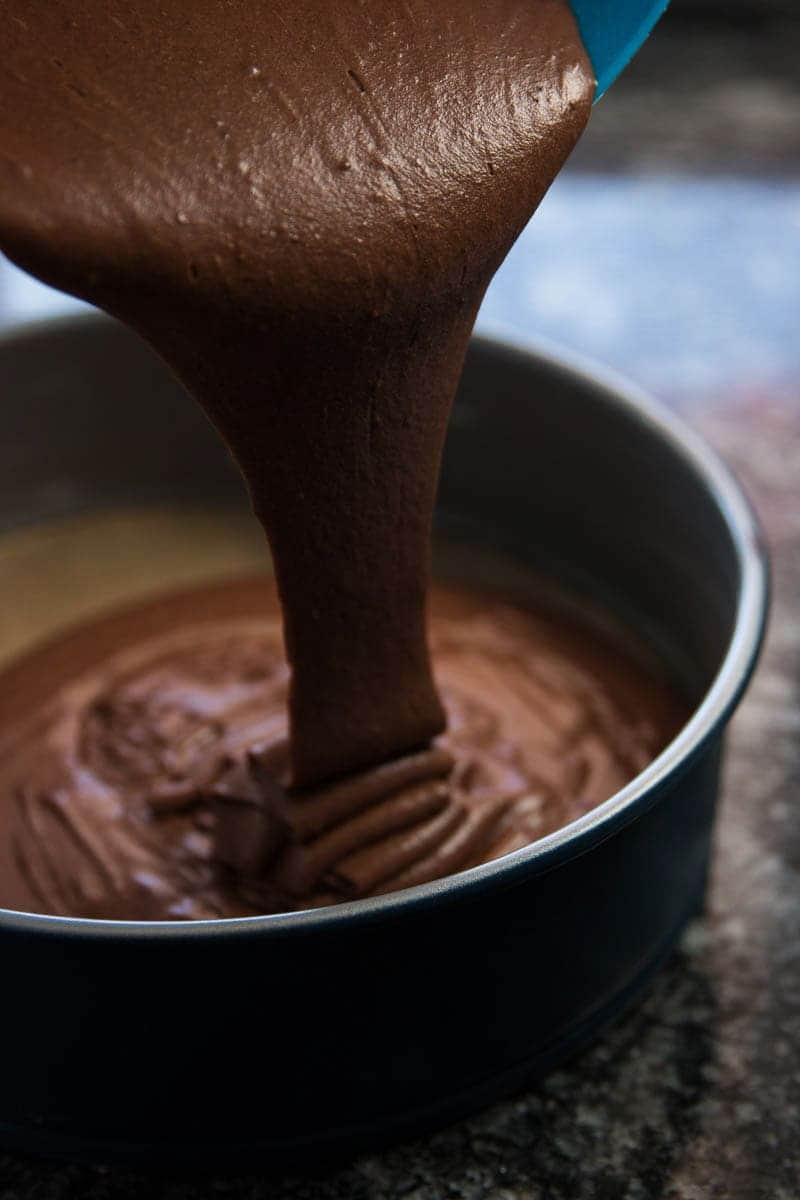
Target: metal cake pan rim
[[580, 835]]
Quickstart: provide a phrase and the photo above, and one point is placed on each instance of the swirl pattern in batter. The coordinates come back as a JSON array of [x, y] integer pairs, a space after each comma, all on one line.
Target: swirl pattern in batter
[[152, 784]]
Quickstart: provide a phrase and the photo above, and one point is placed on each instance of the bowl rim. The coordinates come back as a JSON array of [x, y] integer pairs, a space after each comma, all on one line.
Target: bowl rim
[[578, 836]]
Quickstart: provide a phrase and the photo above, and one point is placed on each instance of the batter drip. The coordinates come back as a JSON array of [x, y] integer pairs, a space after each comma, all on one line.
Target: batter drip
[[300, 205], [154, 784]]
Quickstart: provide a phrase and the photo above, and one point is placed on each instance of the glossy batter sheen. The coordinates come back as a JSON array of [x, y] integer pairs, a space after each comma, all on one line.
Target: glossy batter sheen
[[299, 204], [143, 771]]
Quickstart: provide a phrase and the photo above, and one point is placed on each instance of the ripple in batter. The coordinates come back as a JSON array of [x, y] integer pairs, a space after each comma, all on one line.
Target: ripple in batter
[[144, 759]]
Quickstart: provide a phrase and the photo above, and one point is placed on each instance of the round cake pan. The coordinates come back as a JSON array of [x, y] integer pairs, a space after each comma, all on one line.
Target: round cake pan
[[294, 1036]]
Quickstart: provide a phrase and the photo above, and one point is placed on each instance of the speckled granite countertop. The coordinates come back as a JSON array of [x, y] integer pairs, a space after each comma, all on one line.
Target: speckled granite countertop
[[695, 1095]]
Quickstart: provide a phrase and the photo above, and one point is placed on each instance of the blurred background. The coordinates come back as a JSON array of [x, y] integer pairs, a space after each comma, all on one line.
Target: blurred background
[[670, 247]]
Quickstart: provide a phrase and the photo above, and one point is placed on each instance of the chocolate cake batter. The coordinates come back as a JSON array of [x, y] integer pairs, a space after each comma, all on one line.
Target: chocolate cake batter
[[142, 770], [299, 206]]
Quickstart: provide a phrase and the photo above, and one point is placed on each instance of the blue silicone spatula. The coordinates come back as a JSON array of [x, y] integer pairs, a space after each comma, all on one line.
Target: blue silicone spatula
[[612, 32]]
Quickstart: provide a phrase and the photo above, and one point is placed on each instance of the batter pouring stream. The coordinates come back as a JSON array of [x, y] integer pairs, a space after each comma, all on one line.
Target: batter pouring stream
[[300, 206]]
